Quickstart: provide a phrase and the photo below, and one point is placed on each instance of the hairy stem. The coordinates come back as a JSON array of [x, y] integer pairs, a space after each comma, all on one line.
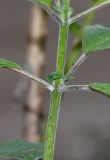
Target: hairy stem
[[60, 65], [52, 125], [56, 96]]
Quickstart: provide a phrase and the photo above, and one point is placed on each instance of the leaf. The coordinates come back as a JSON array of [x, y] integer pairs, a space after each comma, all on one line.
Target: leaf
[[103, 88], [15, 67], [8, 64], [54, 76], [96, 38], [46, 3], [21, 150]]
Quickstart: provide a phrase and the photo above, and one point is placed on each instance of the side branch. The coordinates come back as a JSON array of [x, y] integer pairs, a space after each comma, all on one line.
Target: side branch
[[90, 10], [75, 88], [34, 78]]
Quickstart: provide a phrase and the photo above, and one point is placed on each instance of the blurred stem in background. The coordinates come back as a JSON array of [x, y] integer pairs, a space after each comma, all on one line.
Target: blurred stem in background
[[27, 91], [33, 109]]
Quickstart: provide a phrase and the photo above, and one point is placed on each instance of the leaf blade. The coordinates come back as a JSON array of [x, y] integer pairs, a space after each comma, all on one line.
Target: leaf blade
[[103, 88], [21, 150], [96, 38], [9, 64]]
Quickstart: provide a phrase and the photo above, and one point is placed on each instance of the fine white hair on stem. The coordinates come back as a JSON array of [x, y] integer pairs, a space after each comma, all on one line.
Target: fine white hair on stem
[[74, 88], [34, 78], [90, 10]]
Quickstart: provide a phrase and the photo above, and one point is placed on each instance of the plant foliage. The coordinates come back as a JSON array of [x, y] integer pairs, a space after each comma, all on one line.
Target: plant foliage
[[102, 88], [96, 38], [8, 64], [21, 150]]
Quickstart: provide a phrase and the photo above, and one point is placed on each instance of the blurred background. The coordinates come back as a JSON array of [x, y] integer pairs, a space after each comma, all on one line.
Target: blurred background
[[84, 122]]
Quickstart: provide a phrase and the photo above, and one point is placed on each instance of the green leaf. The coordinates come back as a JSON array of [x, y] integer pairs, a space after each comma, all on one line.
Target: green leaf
[[96, 38], [47, 3], [102, 88], [54, 76], [8, 64], [21, 150]]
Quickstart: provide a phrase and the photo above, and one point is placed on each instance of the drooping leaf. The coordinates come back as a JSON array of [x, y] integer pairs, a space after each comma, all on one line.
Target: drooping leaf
[[96, 38], [46, 3], [21, 150], [8, 64], [103, 88]]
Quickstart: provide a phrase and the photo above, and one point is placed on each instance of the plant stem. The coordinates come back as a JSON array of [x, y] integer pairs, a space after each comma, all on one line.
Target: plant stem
[[56, 95], [52, 125], [63, 37]]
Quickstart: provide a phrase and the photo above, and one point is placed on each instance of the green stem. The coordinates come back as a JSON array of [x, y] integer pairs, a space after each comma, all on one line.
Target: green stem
[[52, 125], [56, 96], [63, 37]]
